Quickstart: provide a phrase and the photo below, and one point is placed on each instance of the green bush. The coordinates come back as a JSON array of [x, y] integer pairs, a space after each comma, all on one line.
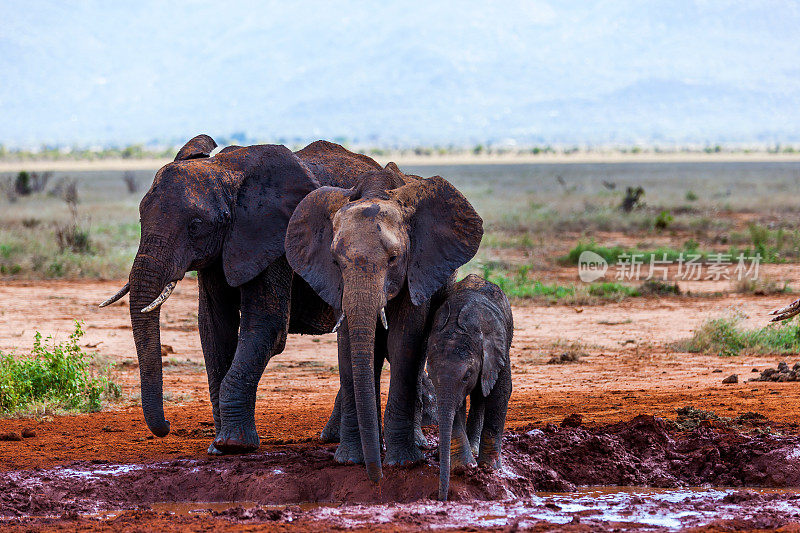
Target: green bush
[[663, 220], [612, 253], [519, 285], [58, 375], [725, 336]]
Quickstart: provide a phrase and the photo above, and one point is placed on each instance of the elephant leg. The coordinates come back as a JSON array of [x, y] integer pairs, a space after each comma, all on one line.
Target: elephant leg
[[427, 397], [494, 420], [425, 409], [218, 322], [262, 334], [475, 419], [406, 343], [330, 433], [460, 450]]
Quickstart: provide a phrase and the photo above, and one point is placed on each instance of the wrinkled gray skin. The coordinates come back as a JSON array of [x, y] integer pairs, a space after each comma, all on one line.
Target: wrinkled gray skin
[[468, 355], [225, 217], [425, 414], [377, 253]]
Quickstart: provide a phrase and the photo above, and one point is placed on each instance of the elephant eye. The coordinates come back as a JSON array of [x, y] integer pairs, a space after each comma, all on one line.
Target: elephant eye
[[195, 226], [392, 259]]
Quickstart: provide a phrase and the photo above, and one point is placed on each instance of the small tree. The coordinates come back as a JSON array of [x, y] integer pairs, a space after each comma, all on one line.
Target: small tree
[[22, 185], [632, 200], [131, 183]]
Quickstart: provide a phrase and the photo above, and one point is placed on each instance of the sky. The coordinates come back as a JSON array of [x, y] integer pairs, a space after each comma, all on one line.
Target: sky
[[405, 73]]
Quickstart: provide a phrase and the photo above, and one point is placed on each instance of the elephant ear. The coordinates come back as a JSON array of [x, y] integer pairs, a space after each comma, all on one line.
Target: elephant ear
[[495, 348], [479, 317], [445, 232], [198, 147], [272, 182], [308, 242]]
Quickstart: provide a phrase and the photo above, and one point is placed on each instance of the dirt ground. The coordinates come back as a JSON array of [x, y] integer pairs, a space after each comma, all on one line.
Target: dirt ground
[[628, 369]]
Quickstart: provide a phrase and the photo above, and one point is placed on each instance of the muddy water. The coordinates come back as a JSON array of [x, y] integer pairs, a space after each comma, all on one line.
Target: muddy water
[[637, 507], [302, 482]]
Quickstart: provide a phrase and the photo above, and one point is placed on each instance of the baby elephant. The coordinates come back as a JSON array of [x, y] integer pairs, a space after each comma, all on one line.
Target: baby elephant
[[468, 355]]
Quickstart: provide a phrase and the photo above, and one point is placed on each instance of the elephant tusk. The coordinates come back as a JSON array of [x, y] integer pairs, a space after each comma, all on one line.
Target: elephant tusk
[[383, 318], [338, 323], [162, 297], [786, 312], [122, 292]]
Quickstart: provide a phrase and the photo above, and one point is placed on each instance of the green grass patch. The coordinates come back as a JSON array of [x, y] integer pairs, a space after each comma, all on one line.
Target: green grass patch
[[518, 284], [725, 336], [612, 254], [55, 376]]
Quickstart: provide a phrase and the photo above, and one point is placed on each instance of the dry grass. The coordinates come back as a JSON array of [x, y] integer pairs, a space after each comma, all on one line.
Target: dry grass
[[532, 214]]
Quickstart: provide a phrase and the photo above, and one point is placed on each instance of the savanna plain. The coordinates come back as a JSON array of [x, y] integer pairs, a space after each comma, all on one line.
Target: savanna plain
[[619, 418]]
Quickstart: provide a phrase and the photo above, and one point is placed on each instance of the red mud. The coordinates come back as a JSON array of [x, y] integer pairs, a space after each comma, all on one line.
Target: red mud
[[644, 451]]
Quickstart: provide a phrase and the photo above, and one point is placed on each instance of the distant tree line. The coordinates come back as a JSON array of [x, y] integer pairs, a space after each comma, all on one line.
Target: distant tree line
[[141, 151]]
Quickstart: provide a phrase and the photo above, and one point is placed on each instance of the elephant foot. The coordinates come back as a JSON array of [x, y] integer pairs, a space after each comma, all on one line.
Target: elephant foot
[[419, 439], [330, 433], [461, 462], [493, 463], [241, 439], [490, 454], [349, 453], [403, 456], [212, 450]]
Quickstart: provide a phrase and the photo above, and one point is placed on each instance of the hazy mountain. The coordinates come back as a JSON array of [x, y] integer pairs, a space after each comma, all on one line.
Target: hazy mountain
[[433, 72]]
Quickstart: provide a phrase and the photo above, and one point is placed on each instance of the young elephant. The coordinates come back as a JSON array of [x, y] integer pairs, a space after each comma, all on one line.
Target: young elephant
[[468, 355]]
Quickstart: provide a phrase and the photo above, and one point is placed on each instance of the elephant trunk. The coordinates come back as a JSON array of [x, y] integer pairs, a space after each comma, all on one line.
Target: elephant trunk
[[361, 307], [147, 282], [446, 411]]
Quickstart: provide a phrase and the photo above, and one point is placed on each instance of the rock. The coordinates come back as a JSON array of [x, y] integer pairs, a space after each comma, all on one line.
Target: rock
[[166, 349], [754, 370], [11, 436], [733, 378], [717, 371], [27, 433], [572, 421]]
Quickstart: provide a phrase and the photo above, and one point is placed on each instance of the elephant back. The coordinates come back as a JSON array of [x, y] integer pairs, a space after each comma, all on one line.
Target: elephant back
[[333, 164]]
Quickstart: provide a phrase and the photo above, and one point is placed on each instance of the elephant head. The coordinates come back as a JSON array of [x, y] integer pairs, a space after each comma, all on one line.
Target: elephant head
[[232, 208], [359, 247], [467, 347]]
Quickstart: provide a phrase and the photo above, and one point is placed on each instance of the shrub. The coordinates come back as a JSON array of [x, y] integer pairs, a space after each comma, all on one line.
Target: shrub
[[632, 200], [131, 183], [58, 375], [71, 236], [691, 196], [762, 286], [657, 287], [22, 185], [725, 336], [663, 220]]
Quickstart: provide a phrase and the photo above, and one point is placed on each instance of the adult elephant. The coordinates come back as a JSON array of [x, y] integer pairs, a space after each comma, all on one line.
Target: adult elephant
[[376, 253], [225, 217]]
